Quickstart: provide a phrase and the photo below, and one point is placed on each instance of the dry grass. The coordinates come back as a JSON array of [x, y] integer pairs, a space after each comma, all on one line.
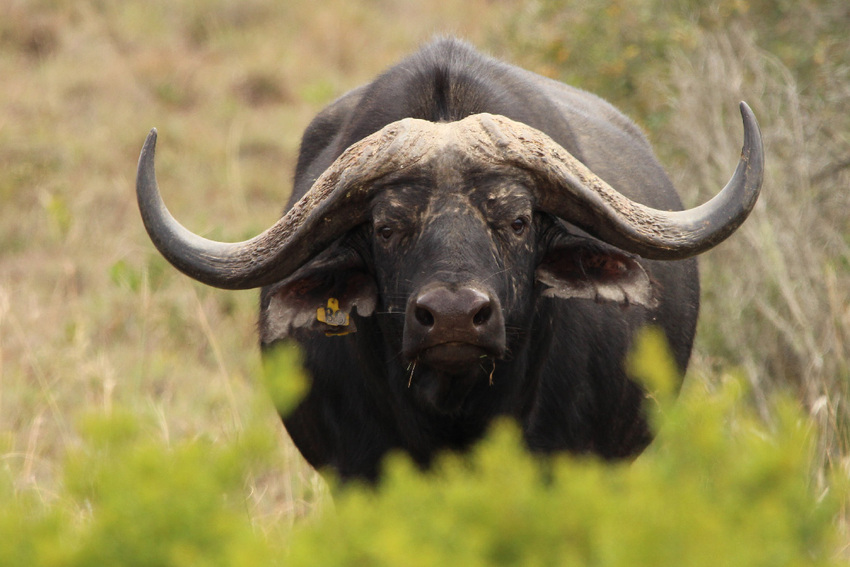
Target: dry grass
[[776, 297], [92, 318]]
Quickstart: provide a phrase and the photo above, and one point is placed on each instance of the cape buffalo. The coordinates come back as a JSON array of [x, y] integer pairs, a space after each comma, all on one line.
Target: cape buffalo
[[494, 237]]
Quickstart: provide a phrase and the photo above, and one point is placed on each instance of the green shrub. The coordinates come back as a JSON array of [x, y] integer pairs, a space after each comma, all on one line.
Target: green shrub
[[702, 496], [717, 487], [131, 499]]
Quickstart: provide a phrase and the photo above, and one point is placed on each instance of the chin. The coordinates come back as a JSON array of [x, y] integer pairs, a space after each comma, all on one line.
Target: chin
[[444, 375]]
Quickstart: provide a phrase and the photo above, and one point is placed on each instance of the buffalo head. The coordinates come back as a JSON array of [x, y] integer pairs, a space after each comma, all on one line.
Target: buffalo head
[[440, 234]]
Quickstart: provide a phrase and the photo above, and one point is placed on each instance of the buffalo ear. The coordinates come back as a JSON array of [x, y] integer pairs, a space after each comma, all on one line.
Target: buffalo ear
[[319, 297], [581, 268]]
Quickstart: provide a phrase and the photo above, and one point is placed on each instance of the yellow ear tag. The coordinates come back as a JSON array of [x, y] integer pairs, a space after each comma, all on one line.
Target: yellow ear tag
[[331, 315]]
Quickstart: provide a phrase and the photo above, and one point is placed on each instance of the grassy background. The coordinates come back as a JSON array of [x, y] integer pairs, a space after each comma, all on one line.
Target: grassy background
[[92, 319]]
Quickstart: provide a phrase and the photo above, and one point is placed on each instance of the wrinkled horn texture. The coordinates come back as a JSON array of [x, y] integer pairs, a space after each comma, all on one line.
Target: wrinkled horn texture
[[589, 202]]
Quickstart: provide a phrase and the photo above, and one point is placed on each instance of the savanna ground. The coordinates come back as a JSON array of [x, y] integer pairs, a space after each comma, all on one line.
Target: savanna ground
[[92, 319]]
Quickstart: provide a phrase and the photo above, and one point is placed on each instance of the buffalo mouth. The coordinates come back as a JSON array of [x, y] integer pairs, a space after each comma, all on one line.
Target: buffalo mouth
[[444, 375], [455, 357]]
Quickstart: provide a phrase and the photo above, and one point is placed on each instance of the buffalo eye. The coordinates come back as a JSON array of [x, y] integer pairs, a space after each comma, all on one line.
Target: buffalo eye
[[385, 232], [518, 226]]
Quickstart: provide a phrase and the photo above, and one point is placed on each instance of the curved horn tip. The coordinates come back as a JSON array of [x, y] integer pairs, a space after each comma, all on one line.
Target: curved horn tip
[[149, 147], [753, 144], [151, 139], [746, 111], [749, 118]]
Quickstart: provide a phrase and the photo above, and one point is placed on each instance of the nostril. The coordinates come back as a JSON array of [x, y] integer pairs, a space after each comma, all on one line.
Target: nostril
[[461, 313], [425, 317], [482, 316]]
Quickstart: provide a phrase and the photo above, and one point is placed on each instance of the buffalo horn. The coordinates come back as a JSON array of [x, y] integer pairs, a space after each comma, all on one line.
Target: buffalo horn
[[333, 205], [337, 200], [590, 203]]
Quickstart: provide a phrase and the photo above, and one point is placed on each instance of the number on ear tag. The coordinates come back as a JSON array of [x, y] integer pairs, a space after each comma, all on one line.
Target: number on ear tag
[[331, 315]]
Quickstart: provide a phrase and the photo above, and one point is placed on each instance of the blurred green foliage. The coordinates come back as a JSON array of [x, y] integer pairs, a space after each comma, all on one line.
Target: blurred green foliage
[[710, 491], [716, 487], [129, 498]]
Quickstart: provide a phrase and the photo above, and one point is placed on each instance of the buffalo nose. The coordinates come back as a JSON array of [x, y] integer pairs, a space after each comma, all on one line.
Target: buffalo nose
[[453, 326], [455, 313]]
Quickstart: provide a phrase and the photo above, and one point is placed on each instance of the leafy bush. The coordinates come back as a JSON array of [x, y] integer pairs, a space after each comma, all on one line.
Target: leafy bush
[[709, 492], [716, 487], [130, 499]]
